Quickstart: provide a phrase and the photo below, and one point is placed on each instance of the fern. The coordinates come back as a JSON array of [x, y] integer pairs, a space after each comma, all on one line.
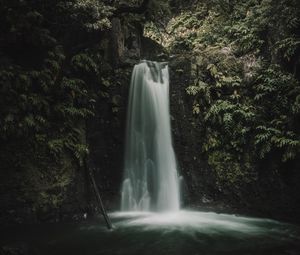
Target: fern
[[83, 62], [228, 121]]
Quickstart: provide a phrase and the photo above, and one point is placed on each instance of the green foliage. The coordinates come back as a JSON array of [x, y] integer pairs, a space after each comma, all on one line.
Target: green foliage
[[245, 91], [92, 14], [157, 9], [287, 47], [230, 172], [84, 63], [46, 87], [268, 138]]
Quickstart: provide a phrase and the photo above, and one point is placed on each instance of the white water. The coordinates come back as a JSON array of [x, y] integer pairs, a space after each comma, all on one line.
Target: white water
[[192, 222], [150, 178]]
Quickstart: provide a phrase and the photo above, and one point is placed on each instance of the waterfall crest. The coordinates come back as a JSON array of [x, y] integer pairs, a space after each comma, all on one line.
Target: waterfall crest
[[150, 176]]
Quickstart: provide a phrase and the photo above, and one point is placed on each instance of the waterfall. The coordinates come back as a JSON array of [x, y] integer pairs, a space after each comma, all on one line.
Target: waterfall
[[151, 180]]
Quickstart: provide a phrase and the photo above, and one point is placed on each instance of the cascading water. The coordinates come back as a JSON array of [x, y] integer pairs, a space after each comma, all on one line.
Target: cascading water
[[150, 180]]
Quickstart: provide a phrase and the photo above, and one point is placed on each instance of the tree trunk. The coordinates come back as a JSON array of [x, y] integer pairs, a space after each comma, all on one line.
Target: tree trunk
[[97, 194], [99, 199]]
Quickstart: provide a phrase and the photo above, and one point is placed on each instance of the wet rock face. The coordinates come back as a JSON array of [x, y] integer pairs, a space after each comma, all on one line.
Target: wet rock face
[[196, 181], [43, 192], [125, 44], [106, 131]]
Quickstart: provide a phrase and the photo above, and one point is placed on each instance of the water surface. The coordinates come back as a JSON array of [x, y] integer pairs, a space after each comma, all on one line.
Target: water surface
[[184, 232]]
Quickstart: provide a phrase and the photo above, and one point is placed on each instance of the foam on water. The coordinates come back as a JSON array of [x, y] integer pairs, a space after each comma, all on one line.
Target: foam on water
[[193, 222]]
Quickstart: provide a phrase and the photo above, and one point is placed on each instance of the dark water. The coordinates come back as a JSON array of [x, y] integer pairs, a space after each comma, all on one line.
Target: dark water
[[186, 232]]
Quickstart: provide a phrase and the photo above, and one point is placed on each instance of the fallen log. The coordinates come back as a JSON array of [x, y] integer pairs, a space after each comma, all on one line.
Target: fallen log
[[99, 199]]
